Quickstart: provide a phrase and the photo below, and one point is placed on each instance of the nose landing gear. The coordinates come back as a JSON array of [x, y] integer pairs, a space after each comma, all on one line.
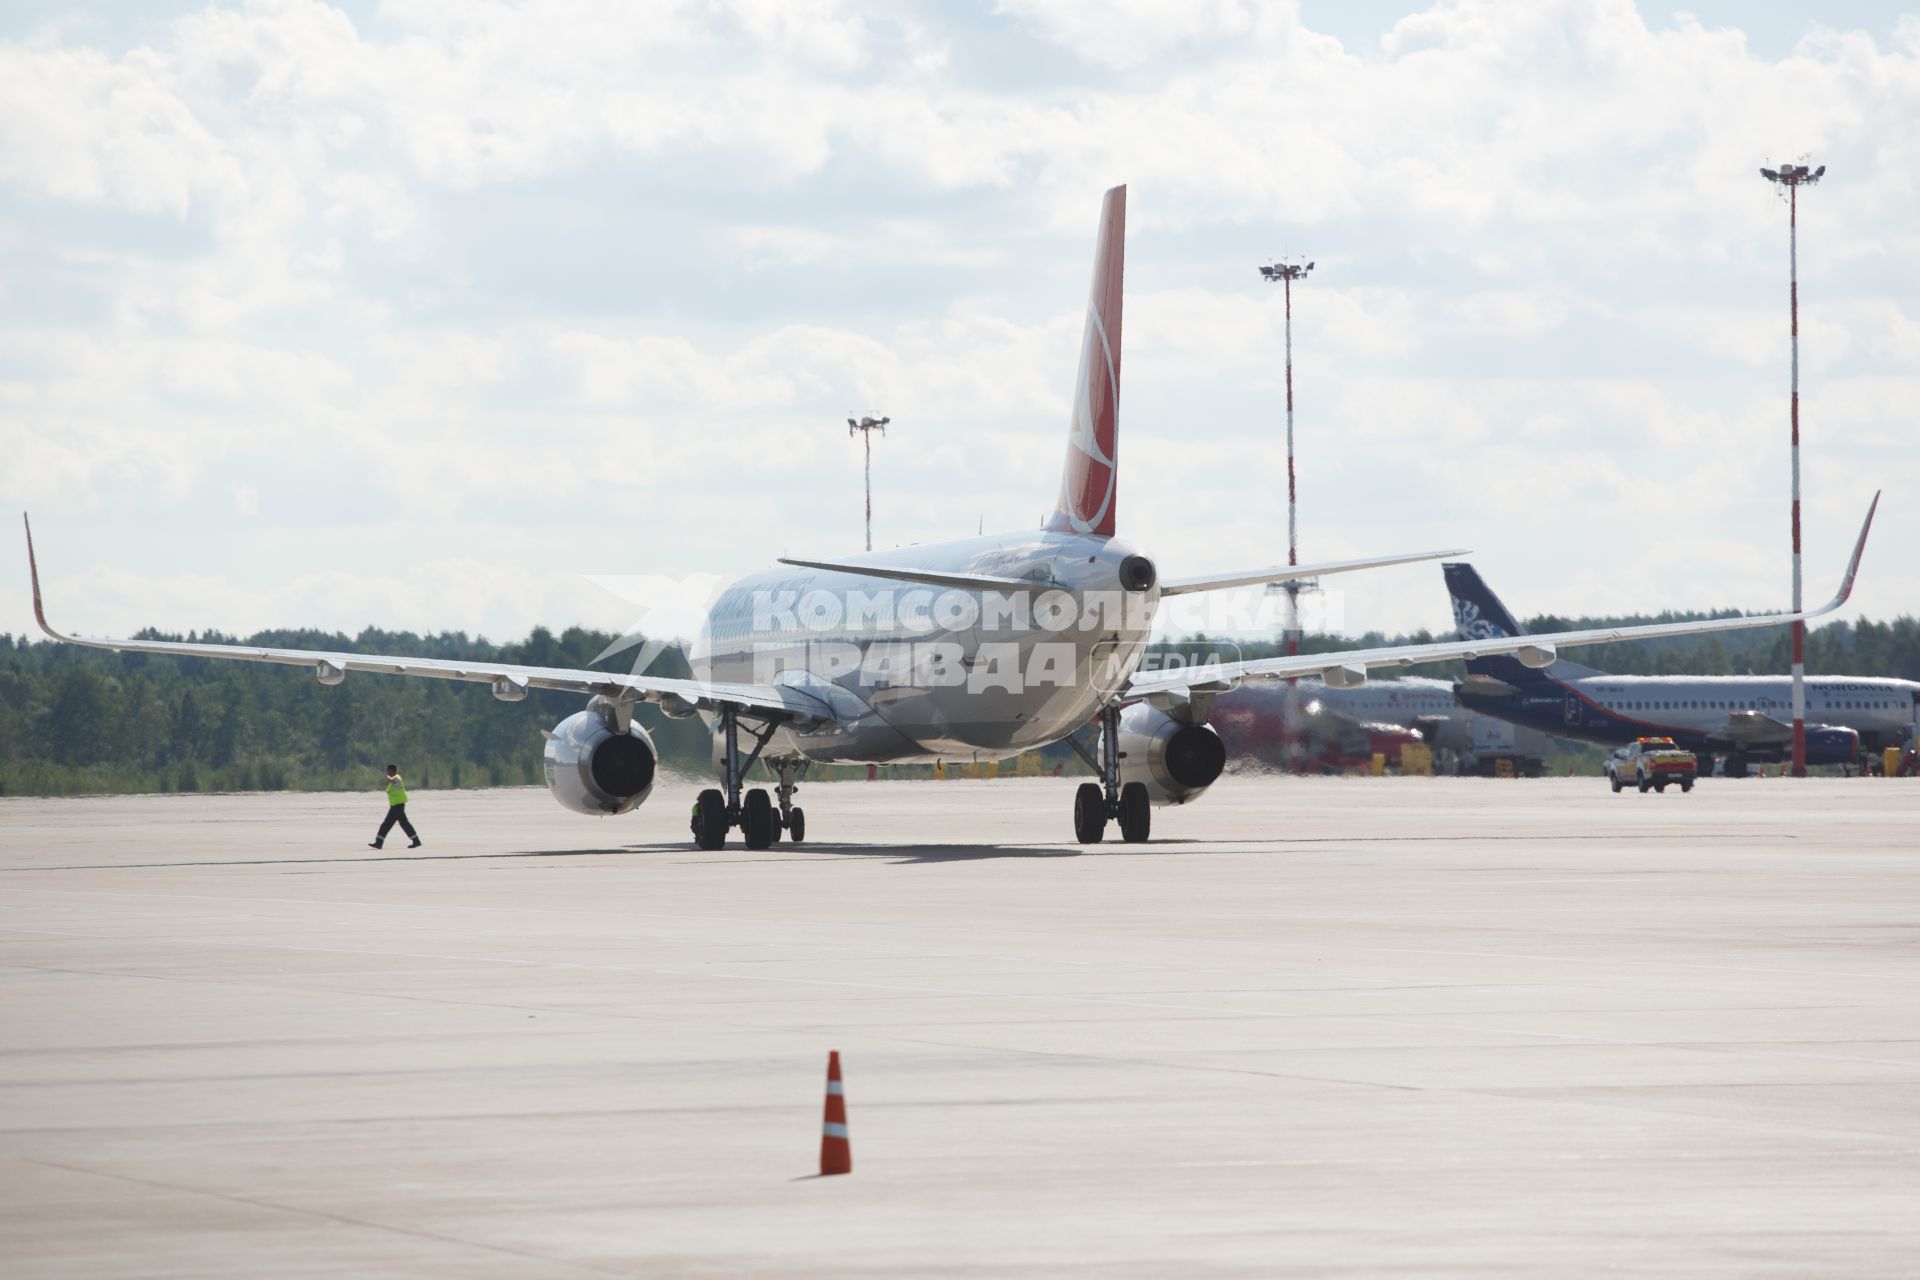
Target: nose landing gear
[[717, 811], [1095, 803]]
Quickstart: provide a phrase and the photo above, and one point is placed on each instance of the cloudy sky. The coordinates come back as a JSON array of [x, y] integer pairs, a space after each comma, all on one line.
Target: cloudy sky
[[419, 313]]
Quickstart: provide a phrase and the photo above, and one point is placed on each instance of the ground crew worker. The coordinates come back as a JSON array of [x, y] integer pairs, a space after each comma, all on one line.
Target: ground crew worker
[[396, 811]]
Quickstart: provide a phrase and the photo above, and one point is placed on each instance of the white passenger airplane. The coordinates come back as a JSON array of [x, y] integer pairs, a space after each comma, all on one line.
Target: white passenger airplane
[[974, 649], [1746, 718]]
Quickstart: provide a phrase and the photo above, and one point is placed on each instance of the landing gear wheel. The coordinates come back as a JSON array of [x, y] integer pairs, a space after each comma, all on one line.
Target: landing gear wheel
[[1136, 813], [1089, 813], [757, 823], [710, 819], [797, 825], [1614, 778]]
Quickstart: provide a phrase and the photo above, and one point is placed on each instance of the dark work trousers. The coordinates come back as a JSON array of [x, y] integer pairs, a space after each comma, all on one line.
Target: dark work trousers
[[396, 813]]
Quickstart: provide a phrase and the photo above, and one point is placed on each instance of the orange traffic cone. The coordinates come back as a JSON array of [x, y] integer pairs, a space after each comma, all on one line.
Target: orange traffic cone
[[836, 1154]]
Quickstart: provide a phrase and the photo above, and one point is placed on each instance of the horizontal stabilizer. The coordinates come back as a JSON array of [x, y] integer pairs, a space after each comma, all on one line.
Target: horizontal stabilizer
[[927, 577], [1293, 573]]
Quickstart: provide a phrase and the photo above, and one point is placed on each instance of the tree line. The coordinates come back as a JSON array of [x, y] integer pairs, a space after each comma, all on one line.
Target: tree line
[[77, 721]]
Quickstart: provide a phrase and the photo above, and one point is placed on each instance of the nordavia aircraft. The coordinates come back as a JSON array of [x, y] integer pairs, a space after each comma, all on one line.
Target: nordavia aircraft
[[1746, 718], [975, 649]]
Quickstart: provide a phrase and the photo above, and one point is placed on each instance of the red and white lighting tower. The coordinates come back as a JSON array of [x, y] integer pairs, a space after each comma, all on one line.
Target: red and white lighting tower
[[866, 427], [1284, 274], [1793, 177]]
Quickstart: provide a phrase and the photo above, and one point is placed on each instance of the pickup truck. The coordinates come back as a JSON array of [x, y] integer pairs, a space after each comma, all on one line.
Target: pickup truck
[[1650, 764]]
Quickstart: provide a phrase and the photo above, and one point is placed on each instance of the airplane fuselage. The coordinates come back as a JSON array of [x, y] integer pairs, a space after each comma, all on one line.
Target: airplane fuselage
[[1695, 710], [921, 672]]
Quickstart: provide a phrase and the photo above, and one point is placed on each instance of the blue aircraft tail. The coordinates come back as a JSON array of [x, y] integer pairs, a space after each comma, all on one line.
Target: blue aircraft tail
[[1479, 615]]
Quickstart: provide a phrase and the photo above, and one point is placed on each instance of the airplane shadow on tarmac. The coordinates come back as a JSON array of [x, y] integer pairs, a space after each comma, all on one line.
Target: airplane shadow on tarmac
[[898, 853], [924, 853]]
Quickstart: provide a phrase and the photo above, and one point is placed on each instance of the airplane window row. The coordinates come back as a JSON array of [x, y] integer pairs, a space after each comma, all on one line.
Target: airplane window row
[[1767, 703]]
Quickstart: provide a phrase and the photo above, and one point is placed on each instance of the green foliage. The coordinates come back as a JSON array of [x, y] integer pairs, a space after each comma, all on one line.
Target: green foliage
[[77, 721]]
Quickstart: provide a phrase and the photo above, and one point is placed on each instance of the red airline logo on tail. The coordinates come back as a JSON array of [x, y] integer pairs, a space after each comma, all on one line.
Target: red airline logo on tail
[[1087, 488]]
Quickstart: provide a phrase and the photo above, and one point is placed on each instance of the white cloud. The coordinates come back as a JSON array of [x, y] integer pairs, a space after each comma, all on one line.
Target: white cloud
[[539, 286]]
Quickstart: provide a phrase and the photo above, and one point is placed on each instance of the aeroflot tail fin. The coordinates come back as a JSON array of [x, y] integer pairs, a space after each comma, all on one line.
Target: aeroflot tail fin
[[1092, 473], [1479, 615]]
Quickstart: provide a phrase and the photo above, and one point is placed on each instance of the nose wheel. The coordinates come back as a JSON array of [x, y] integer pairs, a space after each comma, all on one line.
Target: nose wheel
[[1136, 813], [1097, 803], [718, 811], [1089, 814], [710, 819]]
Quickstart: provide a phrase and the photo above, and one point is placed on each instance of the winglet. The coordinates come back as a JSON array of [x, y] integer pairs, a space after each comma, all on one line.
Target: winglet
[[1853, 565], [33, 571]]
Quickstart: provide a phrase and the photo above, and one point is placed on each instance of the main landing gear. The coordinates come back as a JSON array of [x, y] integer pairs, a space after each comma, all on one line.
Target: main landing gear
[[717, 811], [1095, 803]]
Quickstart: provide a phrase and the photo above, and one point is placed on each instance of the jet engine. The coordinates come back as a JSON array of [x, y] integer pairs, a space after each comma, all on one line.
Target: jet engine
[[1832, 744], [1176, 760], [593, 767]]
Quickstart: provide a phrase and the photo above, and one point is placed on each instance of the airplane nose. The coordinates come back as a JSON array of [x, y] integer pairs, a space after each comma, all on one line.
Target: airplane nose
[[1137, 573]]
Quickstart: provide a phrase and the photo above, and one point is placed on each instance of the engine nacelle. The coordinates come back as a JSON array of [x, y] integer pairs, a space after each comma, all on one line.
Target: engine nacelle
[[593, 768], [1833, 744], [1177, 761], [1537, 657]]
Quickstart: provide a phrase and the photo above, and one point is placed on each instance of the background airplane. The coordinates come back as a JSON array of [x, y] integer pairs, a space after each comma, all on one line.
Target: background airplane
[[1339, 729], [1743, 717]]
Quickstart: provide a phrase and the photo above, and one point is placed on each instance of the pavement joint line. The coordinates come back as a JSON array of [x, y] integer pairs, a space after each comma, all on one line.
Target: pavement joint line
[[1651, 964], [1543, 1095], [1373, 1019], [324, 1216], [699, 970]]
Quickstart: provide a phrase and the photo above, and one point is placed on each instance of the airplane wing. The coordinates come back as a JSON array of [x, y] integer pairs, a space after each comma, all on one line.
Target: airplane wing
[[772, 702], [1293, 573], [1348, 668], [1749, 729]]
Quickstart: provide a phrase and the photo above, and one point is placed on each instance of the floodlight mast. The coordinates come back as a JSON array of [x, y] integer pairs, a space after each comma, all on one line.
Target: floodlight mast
[[1284, 274], [1793, 177], [865, 428]]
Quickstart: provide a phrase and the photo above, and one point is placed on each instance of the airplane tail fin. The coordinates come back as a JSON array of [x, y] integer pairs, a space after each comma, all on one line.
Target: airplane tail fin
[[1479, 615], [1087, 497]]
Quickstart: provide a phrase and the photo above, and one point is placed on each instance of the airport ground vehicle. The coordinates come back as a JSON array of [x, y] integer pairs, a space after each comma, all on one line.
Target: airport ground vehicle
[[1650, 764], [974, 649]]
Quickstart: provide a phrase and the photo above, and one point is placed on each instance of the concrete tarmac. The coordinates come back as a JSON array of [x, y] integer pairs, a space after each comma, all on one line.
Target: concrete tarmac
[[1363, 1026]]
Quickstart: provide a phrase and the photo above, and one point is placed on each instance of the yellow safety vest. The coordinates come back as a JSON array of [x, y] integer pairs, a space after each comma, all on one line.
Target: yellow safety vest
[[396, 790]]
